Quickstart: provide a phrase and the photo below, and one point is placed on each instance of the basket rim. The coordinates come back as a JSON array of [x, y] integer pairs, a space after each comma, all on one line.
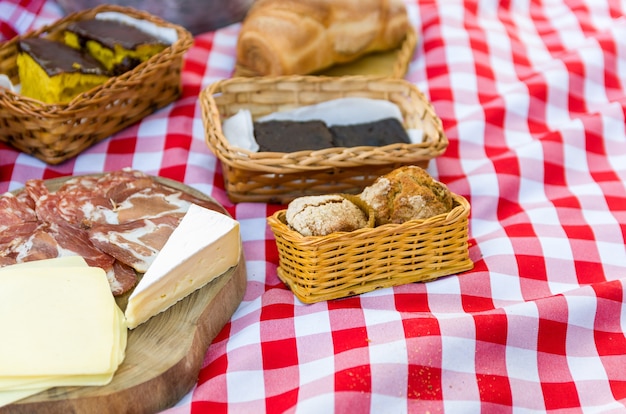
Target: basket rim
[[301, 160], [278, 225], [180, 46]]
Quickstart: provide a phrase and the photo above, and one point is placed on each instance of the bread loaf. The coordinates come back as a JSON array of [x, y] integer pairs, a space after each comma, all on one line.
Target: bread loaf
[[407, 193], [324, 214], [286, 37]]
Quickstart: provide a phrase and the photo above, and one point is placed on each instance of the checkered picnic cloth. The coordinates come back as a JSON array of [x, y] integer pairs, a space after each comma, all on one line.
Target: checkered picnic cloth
[[532, 98]]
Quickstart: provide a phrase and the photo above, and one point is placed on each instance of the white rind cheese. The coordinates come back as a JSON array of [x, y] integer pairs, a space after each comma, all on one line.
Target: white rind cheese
[[203, 246]]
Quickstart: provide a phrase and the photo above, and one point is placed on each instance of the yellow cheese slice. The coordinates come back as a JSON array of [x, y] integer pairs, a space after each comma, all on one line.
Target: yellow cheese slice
[[18, 383], [64, 261], [57, 321], [14, 388], [203, 246], [29, 383], [8, 397]]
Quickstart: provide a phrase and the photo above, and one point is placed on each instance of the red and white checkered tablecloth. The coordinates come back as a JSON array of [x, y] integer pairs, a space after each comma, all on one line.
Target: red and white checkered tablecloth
[[532, 95]]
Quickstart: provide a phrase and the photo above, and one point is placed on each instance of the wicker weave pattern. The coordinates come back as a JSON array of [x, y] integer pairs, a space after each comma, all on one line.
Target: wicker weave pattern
[[57, 132], [346, 264], [280, 177]]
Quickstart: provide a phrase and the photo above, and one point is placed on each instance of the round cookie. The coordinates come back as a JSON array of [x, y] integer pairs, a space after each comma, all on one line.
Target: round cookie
[[407, 193], [324, 214]]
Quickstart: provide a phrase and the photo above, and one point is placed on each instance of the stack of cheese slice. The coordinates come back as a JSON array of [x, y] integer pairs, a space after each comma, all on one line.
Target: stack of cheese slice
[[204, 246], [60, 326]]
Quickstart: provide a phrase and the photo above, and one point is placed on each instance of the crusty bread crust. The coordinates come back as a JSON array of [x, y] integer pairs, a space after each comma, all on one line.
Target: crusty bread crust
[[407, 193], [287, 37], [324, 214]]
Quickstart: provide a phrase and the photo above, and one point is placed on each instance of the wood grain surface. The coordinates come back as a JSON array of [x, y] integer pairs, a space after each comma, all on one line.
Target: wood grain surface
[[163, 356]]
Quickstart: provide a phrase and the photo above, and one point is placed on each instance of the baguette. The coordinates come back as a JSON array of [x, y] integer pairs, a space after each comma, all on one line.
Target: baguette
[[288, 37]]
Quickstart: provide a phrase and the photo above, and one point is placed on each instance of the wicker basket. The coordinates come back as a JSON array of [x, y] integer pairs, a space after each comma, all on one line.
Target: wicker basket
[[344, 264], [56, 132], [280, 177]]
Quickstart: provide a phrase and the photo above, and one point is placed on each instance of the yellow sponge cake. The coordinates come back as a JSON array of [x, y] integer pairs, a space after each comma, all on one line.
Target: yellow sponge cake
[[53, 72], [117, 45]]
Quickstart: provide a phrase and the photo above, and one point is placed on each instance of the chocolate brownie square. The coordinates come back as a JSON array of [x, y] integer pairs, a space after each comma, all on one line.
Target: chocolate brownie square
[[292, 136], [377, 134]]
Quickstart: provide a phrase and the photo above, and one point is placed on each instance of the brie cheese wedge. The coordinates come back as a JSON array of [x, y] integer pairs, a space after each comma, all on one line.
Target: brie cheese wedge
[[203, 246]]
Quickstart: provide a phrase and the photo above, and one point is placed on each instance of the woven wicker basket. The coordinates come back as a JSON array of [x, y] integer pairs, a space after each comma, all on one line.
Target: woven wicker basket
[[56, 132], [280, 177], [344, 264]]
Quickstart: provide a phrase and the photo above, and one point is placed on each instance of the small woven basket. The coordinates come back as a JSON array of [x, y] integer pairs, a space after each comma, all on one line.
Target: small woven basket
[[278, 177], [345, 264], [57, 132]]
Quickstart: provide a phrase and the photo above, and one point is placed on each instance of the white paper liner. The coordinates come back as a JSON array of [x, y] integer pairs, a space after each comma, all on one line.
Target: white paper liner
[[164, 34], [5, 82], [239, 130]]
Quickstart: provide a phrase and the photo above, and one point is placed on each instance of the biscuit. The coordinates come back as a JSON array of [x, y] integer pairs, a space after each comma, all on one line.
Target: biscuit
[[324, 214], [407, 193]]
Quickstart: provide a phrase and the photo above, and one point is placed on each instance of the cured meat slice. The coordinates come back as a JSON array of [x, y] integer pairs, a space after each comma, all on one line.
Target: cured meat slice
[[6, 261], [76, 241], [122, 278], [15, 210], [148, 198], [78, 202], [35, 189], [39, 245], [145, 199], [12, 237], [17, 222], [134, 243]]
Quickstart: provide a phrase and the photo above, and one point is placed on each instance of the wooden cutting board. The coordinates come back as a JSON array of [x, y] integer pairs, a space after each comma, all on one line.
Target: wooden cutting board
[[163, 355]]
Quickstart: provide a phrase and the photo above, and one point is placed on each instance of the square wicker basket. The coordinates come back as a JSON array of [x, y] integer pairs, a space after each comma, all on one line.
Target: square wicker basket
[[343, 264], [277, 177], [57, 132]]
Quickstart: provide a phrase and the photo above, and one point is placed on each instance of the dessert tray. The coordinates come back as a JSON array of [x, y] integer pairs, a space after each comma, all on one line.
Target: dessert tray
[[163, 356]]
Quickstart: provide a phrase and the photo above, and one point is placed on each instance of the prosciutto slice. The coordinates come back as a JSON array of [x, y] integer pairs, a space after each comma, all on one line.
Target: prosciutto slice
[[15, 210], [135, 243], [146, 198], [18, 221]]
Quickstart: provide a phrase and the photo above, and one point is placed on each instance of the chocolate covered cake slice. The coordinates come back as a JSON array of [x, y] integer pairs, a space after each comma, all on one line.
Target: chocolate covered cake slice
[[53, 72], [377, 134], [118, 46], [292, 136]]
